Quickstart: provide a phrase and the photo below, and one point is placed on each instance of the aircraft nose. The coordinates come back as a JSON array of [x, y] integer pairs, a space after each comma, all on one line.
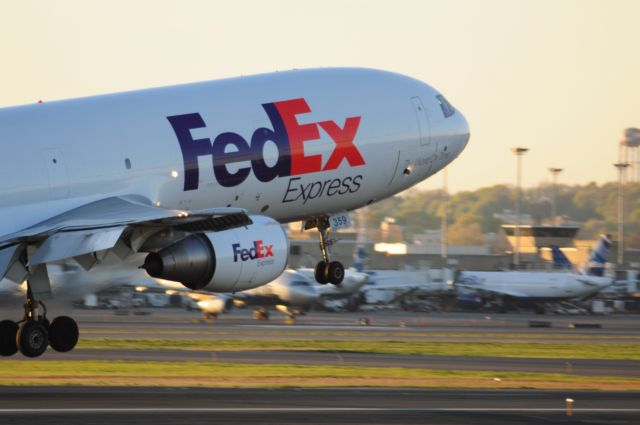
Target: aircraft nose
[[461, 131]]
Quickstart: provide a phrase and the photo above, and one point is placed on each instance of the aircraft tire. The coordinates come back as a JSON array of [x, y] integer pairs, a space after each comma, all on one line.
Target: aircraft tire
[[321, 273], [8, 332], [63, 334], [32, 338], [335, 272]]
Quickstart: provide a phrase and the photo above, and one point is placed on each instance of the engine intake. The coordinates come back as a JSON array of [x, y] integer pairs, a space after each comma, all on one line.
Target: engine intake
[[191, 261]]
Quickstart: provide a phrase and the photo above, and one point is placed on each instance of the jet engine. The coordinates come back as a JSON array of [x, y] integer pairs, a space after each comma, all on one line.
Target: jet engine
[[226, 261]]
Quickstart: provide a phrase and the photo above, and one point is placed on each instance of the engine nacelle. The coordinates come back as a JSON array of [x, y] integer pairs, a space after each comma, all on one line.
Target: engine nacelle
[[227, 261]]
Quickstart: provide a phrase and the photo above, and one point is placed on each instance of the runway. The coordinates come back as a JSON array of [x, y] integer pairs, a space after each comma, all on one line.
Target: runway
[[384, 326], [345, 406]]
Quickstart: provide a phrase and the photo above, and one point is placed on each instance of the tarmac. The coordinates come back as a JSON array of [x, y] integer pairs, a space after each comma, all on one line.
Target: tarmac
[[382, 326], [288, 406], [93, 405]]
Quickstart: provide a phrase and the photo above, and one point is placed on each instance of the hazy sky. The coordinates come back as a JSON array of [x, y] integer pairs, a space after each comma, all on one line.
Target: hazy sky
[[559, 77]]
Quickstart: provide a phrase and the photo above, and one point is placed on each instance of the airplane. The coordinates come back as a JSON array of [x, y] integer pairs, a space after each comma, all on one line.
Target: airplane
[[199, 177], [290, 293], [391, 286], [560, 261], [535, 287]]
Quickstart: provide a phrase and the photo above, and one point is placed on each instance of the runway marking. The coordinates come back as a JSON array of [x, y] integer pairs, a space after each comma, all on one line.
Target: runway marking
[[311, 410]]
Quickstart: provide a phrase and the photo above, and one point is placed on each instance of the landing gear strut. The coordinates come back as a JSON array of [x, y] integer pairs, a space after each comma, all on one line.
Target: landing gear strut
[[33, 335], [327, 271]]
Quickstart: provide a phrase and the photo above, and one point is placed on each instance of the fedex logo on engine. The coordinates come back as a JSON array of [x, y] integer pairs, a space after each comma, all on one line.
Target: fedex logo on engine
[[287, 134], [259, 250]]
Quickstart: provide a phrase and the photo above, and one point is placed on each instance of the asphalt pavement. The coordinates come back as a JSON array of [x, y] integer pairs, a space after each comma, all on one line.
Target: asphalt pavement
[[71, 405]]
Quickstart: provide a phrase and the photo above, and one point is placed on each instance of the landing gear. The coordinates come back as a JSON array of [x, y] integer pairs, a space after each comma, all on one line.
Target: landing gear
[[321, 273], [261, 314], [327, 271], [8, 332], [32, 338], [63, 334], [335, 272], [34, 333]]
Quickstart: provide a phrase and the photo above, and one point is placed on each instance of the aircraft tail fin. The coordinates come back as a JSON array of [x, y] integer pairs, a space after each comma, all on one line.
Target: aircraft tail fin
[[359, 256], [598, 257], [560, 261]]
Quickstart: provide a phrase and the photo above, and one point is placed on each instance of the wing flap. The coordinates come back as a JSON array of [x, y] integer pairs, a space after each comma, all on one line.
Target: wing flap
[[75, 244], [8, 256]]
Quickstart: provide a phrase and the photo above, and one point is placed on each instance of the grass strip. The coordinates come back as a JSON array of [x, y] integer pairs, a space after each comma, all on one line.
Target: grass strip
[[213, 374], [564, 350]]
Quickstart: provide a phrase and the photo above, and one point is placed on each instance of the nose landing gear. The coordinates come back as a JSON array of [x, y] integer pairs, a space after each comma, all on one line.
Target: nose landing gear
[[327, 271]]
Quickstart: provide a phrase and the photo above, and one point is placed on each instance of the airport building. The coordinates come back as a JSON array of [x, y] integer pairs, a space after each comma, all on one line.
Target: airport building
[[387, 249]]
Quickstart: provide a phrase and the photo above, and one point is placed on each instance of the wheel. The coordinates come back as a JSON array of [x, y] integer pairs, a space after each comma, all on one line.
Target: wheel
[[63, 334], [32, 338], [335, 272], [8, 332], [321, 273]]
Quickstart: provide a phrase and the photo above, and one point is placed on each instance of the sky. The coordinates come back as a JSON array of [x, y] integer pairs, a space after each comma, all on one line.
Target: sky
[[560, 77]]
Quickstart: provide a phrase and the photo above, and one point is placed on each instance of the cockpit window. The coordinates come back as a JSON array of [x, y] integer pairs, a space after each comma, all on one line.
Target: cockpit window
[[300, 283], [446, 107]]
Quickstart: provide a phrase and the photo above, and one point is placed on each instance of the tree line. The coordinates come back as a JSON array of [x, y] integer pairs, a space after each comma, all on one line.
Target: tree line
[[471, 214]]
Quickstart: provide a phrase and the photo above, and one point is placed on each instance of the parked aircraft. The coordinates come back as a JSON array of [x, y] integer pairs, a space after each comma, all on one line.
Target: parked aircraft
[[290, 293], [346, 295], [387, 287], [200, 176], [536, 287]]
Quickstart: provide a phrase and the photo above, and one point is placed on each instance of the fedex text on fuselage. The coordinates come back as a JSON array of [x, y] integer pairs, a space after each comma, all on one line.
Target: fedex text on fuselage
[[287, 134]]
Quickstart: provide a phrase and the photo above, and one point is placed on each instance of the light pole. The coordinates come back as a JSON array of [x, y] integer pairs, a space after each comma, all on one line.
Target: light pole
[[554, 175], [516, 254], [622, 167]]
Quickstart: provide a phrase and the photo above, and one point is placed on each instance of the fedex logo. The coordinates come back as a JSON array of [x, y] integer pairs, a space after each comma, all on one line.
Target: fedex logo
[[257, 251], [287, 134]]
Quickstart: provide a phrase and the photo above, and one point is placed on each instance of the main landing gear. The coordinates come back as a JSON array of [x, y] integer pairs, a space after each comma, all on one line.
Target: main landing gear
[[327, 271], [34, 333]]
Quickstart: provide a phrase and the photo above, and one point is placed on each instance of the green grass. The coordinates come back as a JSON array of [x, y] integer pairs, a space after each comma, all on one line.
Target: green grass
[[562, 350], [213, 374]]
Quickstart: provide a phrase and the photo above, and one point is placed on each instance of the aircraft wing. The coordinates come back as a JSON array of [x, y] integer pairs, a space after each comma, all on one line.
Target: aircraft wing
[[120, 223]]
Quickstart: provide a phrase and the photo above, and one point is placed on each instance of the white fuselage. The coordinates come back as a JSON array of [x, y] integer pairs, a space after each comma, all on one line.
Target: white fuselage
[[340, 138], [290, 289], [533, 285]]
